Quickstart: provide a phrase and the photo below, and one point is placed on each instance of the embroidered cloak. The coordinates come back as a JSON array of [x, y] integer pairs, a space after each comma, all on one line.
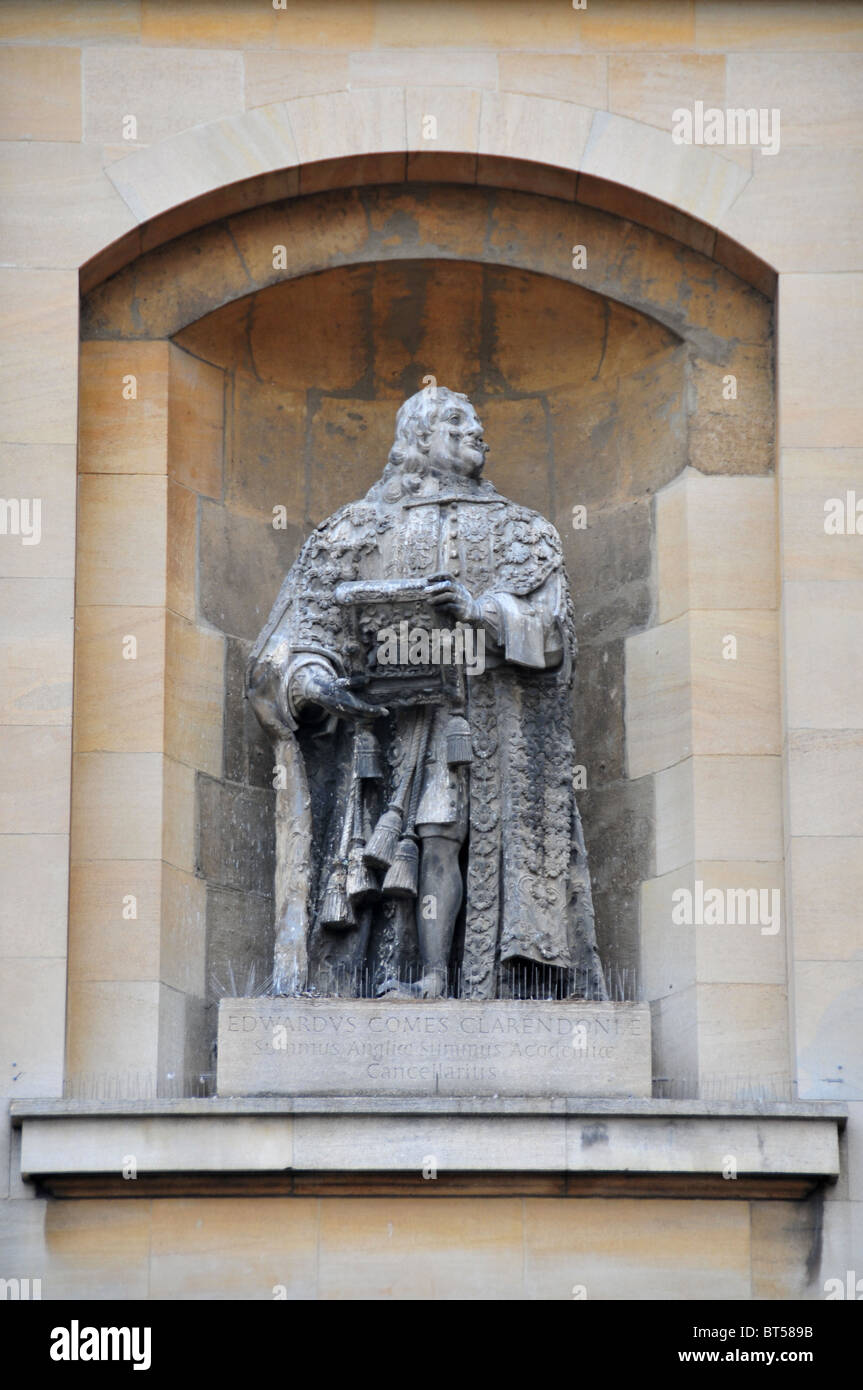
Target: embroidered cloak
[[527, 887]]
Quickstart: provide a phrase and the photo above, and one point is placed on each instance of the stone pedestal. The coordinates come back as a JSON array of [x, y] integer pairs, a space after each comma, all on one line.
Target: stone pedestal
[[363, 1047]]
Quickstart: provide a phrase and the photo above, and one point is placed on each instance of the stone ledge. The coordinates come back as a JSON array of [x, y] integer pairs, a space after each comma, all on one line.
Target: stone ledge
[[428, 1105], [301, 1146]]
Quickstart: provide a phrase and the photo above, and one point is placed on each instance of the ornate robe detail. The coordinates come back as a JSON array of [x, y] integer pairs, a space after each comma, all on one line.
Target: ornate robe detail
[[528, 895]]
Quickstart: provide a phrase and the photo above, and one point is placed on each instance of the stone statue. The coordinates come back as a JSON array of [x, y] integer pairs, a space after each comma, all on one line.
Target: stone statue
[[415, 675]]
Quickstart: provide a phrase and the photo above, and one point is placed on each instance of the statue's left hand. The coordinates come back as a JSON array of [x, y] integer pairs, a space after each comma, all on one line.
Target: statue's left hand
[[446, 592]]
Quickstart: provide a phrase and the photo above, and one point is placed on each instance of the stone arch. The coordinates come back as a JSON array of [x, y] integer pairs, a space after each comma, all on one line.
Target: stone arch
[[237, 254], [506, 139], [204, 245]]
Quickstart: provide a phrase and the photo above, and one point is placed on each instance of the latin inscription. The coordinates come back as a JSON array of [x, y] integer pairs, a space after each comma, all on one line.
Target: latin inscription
[[300, 1046]]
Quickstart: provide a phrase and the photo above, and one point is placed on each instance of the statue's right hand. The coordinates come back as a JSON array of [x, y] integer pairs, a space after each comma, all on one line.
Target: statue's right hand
[[315, 684]]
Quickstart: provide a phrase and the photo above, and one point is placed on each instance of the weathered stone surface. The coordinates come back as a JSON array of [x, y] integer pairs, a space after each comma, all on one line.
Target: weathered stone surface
[[444, 1047], [611, 551], [168, 288], [395, 1133], [248, 754], [610, 564], [347, 439], [598, 723], [239, 940], [431, 314], [235, 836], [254, 554], [264, 451], [644, 270], [521, 449], [734, 435], [618, 831]]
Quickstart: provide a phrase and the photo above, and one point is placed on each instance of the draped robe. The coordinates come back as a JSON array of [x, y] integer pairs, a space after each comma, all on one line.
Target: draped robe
[[527, 886]]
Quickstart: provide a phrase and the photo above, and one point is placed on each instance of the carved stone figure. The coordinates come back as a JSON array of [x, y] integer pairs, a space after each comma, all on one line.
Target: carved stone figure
[[415, 675]]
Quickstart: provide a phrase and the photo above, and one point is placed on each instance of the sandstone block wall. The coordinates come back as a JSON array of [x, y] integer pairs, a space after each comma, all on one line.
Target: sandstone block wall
[[240, 105]]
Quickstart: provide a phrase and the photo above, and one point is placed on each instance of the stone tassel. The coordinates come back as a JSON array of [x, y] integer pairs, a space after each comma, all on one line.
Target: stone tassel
[[336, 910], [381, 849], [361, 884], [402, 880], [458, 745]]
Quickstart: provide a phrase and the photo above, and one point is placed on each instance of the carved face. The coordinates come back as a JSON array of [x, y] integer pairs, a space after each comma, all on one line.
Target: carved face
[[455, 440]]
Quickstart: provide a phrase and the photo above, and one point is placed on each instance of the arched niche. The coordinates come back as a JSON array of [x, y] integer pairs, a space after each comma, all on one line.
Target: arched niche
[[269, 350]]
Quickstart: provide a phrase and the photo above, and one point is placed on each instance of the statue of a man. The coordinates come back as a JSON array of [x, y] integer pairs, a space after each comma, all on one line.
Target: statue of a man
[[415, 675]]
